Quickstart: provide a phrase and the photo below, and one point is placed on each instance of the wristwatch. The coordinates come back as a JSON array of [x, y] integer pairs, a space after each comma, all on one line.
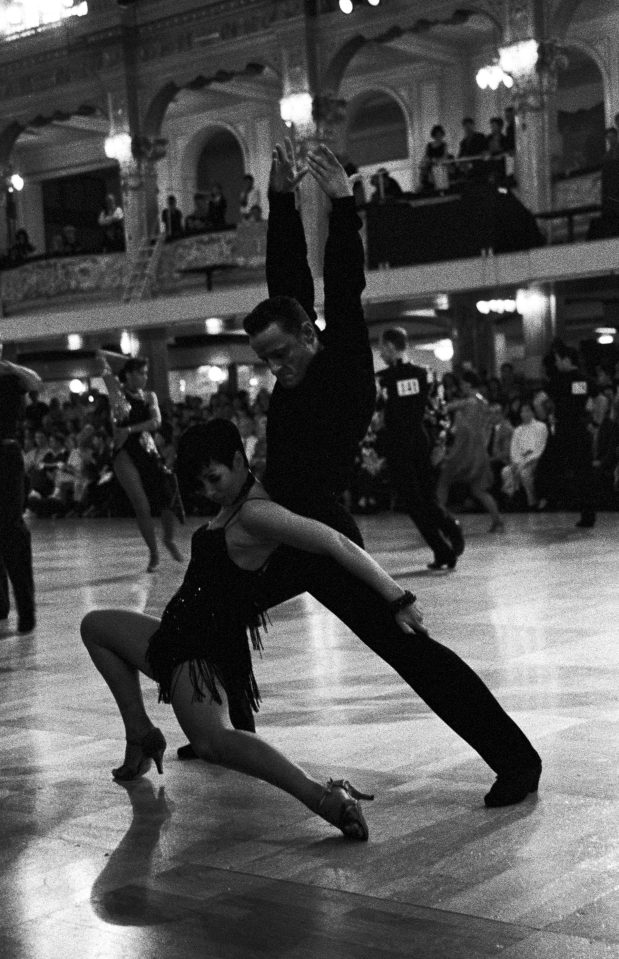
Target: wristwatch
[[406, 599]]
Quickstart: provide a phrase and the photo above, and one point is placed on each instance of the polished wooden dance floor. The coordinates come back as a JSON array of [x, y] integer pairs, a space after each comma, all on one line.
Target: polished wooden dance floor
[[207, 863]]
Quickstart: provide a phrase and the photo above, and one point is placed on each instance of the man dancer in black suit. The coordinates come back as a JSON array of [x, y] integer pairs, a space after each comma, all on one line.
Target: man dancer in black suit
[[316, 418], [404, 389]]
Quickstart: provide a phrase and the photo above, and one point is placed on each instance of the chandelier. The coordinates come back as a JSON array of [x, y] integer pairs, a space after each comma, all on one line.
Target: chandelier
[[17, 16]]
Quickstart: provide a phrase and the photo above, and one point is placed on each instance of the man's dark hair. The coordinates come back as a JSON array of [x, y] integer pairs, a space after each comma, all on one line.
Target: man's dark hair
[[397, 336], [499, 122], [283, 310], [436, 130]]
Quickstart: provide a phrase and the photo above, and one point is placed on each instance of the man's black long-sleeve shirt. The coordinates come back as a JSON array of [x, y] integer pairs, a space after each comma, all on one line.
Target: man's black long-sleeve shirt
[[314, 429]]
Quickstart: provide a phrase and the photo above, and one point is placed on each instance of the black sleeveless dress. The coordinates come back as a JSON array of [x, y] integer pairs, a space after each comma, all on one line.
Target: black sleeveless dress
[[208, 622], [158, 481]]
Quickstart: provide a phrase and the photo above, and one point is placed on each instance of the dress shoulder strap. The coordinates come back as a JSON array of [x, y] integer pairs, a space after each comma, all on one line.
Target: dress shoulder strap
[[240, 507]]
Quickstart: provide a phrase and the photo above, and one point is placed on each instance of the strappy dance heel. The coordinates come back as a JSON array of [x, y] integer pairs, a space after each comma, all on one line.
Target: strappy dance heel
[[153, 746], [348, 815]]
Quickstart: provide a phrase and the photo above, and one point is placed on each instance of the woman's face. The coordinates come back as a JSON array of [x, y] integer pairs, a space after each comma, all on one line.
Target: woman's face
[[137, 379], [222, 484]]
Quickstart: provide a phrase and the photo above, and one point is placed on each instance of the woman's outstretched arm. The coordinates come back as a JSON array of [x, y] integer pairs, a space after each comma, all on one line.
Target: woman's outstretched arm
[[271, 523]]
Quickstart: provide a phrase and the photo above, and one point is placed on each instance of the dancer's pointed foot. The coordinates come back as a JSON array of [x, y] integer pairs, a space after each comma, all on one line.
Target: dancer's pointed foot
[[173, 550], [138, 756], [512, 787], [339, 805]]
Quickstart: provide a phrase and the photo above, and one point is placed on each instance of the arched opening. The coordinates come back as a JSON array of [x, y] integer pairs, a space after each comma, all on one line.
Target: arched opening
[[580, 115], [376, 129], [221, 161]]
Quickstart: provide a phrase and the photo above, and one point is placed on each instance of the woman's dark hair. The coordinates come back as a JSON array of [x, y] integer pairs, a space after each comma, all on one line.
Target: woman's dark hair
[[132, 365], [214, 442], [283, 310]]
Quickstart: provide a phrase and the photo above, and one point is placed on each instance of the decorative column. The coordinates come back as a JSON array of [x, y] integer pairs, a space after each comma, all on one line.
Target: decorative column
[[537, 307], [154, 348], [532, 59]]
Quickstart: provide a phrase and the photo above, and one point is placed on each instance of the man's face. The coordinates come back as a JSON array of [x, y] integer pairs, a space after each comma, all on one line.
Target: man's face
[[287, 355], [387, 352]]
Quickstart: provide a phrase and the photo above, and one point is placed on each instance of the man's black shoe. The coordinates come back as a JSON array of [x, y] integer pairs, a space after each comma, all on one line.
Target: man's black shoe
[[26, 624], [186, 752], [511, 788], [438, 564]]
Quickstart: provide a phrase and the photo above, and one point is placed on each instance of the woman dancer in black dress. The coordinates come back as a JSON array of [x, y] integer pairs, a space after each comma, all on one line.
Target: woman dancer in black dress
[[137, 464], [198, 652]]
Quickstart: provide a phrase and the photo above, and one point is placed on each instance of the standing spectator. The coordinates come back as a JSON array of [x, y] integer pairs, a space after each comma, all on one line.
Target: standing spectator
[[249, 199], [433, 169], [111, 222], [70, 244], [198, 220], [472, 144], [495, 147], [527, 445], [172, 220], [509, 131], [217, 208], [21, 250], [385, 186]]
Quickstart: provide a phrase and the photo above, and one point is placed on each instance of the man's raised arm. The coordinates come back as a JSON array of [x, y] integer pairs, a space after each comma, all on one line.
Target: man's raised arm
[[288, 273], [344, 276]]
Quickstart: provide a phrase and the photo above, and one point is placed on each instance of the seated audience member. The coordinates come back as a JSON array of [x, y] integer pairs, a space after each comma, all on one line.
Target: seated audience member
[[172, 220], [249, 199], [499, 444], [111, 222], [434, 172], [217, 208], [385, 186], [99, 475], [247, 429], [34, 460], [472, 144], [21, 249], [41, 499], [370, 490], [70, 244], [198, 220], [527, 445]]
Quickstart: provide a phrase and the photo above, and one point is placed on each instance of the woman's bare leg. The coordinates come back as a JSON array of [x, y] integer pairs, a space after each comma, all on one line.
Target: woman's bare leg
[[129, 479], [117, 640], [207, 726], [168, 523], [489, 503]]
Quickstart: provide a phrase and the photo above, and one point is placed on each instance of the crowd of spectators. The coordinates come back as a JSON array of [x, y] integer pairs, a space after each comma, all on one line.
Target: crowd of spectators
[[68, 447]]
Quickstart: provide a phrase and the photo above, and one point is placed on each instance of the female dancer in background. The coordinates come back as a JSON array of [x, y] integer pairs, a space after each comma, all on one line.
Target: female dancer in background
[[137, 464], [199, 655], [467, 460]]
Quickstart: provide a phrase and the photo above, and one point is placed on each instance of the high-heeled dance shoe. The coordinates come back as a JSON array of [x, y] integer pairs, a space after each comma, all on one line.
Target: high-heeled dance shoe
[[153, 563], [173, 550], [456, 537], [339, 805], [512, 787], [153, 746]]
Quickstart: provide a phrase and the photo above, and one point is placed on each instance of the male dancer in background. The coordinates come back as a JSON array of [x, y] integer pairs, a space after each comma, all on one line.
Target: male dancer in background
[[405, 394], [308, 435], [15, 544]]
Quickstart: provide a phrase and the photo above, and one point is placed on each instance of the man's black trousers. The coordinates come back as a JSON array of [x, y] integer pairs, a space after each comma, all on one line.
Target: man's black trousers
[[15, 545]]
